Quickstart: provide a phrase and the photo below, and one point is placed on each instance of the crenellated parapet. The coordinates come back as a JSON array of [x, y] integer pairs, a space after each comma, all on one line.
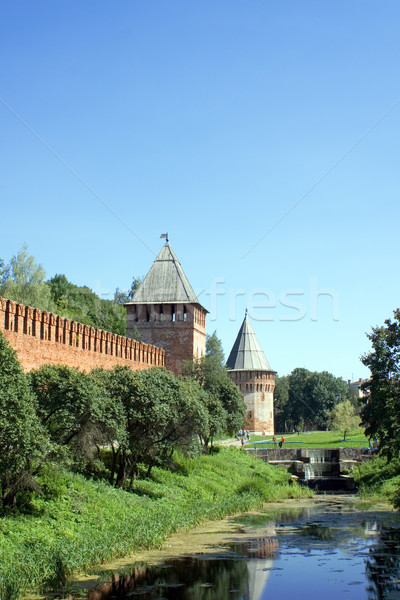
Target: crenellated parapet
[[40, 337]]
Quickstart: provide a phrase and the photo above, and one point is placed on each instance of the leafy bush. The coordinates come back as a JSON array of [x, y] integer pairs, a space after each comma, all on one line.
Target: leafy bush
[[379, 479], [23, 443]]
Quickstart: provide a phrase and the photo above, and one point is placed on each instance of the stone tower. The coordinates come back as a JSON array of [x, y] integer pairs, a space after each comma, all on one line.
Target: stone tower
[[250, 371], [167, 313]]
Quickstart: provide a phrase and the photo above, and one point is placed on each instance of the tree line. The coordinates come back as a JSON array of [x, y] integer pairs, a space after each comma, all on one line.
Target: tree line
[[58, 413], [308, 400]]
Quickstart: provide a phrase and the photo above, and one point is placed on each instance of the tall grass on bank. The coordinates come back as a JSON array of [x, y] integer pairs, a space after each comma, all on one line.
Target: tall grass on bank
[[77, 523], [379, 480]]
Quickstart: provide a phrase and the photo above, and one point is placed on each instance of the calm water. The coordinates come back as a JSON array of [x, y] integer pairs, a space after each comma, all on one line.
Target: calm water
[[327, 551]]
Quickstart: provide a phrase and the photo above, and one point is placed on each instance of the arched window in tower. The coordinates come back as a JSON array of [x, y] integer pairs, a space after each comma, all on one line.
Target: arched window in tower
[[173, 313], [184, 313]]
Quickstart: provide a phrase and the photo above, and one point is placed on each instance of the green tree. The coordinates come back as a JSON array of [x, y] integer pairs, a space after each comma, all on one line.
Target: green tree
[[59, 288], [23, 281], [81, 304], [159, 416], [311, 396], [76, 411], [23, 443], [301, 404], [162, 413], [381, 403], [328, 391], [121, 297], [214, 349], [343, 417], [281, 400], [222, 398], [193, 420]]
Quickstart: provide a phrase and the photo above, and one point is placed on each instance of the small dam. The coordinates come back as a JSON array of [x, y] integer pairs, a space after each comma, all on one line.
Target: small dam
[[322, 469]]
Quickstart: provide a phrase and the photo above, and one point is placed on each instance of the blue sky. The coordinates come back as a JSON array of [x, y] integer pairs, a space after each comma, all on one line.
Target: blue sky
[[262, 136]]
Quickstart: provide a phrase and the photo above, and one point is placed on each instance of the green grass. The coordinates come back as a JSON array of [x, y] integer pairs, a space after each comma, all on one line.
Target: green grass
[[77, 523], [379, 480], [318, 439]]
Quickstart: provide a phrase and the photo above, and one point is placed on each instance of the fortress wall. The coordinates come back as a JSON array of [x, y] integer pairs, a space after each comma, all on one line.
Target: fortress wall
[[40, 337]]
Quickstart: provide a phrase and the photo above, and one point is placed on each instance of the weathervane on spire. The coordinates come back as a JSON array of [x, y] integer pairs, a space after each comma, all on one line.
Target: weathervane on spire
[[164, 236], [245, 313]]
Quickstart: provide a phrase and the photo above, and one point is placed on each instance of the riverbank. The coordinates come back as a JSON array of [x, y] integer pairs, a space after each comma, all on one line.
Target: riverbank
[[75, 523], [332, 521]]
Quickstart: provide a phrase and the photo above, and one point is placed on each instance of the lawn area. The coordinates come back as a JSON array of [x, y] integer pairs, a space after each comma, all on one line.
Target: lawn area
[[315, 439]]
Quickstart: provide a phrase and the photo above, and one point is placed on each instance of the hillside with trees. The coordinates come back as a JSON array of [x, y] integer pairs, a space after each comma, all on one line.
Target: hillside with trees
[[23, 280]]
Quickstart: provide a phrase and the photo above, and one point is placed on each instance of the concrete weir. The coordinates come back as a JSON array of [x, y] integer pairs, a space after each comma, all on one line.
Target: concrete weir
[[319, 468]]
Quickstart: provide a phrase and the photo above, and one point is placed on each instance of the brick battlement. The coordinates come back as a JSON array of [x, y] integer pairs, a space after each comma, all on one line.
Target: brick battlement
[[40, 337]]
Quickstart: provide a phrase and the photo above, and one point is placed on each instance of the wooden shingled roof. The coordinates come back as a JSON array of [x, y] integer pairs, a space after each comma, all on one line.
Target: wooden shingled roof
[[165, 283]]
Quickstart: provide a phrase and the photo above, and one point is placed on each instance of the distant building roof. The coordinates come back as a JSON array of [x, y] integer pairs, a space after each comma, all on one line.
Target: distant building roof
[[355, 387], [247, 354], [356, 383], [165, 282]]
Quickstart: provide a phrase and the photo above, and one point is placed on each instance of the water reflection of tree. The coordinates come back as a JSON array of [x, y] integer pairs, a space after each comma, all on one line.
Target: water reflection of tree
[[183, 579], [198, 578], [383, 565]]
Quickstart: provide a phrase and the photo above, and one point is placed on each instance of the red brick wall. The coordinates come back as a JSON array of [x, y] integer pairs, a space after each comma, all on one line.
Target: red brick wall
[[42, 338]]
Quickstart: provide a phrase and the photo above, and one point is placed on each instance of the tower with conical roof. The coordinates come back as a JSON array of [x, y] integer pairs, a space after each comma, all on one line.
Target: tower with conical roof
[[250, 371], [166, 312]]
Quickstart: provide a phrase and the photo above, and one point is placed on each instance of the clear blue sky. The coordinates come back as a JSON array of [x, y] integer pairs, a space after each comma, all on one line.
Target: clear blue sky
[[263, 136]]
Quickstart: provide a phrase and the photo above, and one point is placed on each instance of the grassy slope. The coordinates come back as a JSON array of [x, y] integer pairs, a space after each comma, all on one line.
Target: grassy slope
[[377, 480], [77, 523]]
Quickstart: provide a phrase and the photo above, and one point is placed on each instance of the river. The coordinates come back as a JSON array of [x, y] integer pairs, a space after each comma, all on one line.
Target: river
[[333, 547]]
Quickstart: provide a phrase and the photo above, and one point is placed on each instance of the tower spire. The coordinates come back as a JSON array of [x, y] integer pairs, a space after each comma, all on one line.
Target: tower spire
[[249, 369]]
